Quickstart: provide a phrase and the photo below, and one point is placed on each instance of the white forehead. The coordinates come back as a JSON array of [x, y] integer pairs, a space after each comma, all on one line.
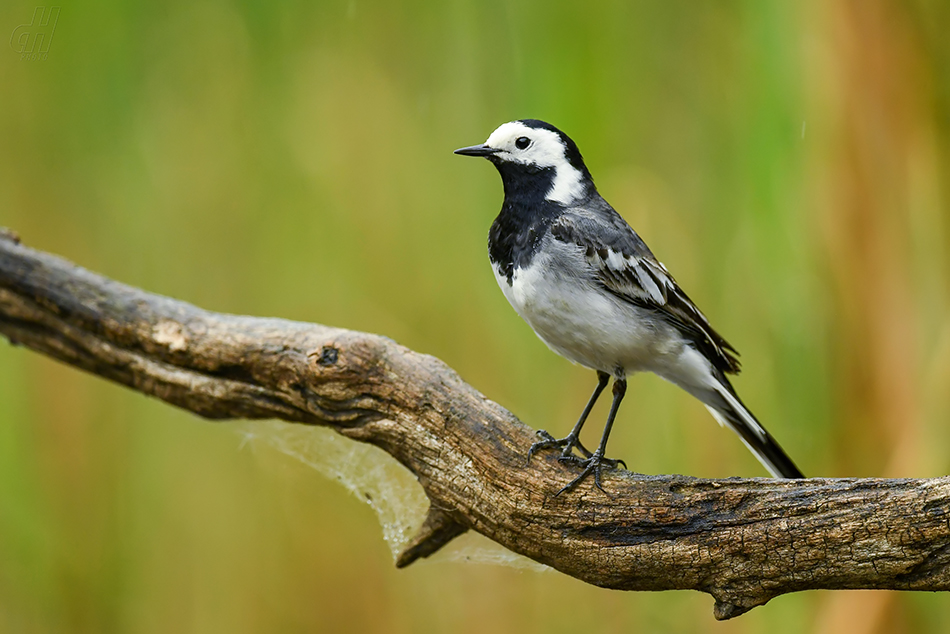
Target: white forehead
[[546, 150], [507, 133]]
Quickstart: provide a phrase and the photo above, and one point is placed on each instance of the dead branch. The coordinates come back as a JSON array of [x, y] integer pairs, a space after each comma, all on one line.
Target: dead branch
[[743, 541]]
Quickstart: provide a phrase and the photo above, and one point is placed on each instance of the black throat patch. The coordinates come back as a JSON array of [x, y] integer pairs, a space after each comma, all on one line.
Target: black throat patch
[[515, 236]]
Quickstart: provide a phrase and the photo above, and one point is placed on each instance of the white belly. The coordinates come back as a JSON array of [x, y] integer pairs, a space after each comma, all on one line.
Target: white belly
[[561, 302]]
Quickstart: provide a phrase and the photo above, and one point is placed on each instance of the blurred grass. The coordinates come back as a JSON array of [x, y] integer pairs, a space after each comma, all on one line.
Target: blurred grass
[[787, 161]]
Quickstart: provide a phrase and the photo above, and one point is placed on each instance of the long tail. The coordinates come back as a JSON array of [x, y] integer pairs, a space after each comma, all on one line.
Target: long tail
[[730, 412]]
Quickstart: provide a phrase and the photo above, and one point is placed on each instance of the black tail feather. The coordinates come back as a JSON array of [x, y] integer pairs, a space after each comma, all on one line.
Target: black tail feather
[[731, 411]]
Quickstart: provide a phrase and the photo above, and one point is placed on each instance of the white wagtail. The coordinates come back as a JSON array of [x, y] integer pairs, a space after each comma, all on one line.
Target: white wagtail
[[592, 290]]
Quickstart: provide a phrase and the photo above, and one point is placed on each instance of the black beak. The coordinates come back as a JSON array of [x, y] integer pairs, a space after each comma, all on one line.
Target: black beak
[[477, 150]]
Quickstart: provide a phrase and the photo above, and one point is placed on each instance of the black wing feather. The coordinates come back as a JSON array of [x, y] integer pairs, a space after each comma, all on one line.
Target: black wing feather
[[627, 268]]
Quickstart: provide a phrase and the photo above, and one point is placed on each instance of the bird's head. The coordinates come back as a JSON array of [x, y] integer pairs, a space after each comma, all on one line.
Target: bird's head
[[535, 159]]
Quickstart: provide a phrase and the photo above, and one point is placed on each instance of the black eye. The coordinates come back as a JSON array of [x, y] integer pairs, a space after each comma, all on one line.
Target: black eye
[[522, 142]]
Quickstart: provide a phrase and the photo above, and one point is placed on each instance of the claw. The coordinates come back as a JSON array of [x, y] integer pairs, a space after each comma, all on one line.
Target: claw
[[547, 442], [595, 464], [568, 444]]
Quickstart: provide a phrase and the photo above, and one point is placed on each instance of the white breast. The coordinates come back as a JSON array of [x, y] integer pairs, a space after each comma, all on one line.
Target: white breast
[[559, 298]]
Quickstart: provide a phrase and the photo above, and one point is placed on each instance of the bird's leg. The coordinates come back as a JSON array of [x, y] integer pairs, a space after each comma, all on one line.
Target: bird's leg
[[573, 439], [596, 462]]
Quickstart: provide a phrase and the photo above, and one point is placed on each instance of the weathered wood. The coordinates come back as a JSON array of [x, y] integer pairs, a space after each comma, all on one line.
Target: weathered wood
[[743, 541]]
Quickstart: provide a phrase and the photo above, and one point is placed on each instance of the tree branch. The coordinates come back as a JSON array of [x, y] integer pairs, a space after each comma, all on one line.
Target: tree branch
[[743, 541]]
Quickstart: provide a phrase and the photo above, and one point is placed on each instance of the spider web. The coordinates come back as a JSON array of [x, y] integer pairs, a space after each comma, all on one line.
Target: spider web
[[377, 479]]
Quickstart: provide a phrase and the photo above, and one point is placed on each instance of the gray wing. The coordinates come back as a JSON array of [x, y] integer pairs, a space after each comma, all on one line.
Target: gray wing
[[625, 266]]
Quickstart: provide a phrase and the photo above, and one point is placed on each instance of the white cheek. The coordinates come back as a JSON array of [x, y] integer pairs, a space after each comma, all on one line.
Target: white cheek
[[568, 185]]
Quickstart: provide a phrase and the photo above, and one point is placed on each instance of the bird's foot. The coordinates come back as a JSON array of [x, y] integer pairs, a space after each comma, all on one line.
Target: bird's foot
[[595, 464], [566, 444]]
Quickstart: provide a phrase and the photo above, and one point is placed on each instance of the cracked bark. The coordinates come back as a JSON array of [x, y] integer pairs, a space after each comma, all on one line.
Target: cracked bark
[[744, 541]]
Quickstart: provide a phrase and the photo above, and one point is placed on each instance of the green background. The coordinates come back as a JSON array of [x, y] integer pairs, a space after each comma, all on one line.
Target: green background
[[788, 161]]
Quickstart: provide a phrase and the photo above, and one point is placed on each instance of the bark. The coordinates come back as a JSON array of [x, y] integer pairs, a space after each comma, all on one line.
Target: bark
[[743, 541]]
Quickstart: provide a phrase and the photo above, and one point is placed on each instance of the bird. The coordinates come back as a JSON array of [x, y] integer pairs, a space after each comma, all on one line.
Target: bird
[[592, 290]]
